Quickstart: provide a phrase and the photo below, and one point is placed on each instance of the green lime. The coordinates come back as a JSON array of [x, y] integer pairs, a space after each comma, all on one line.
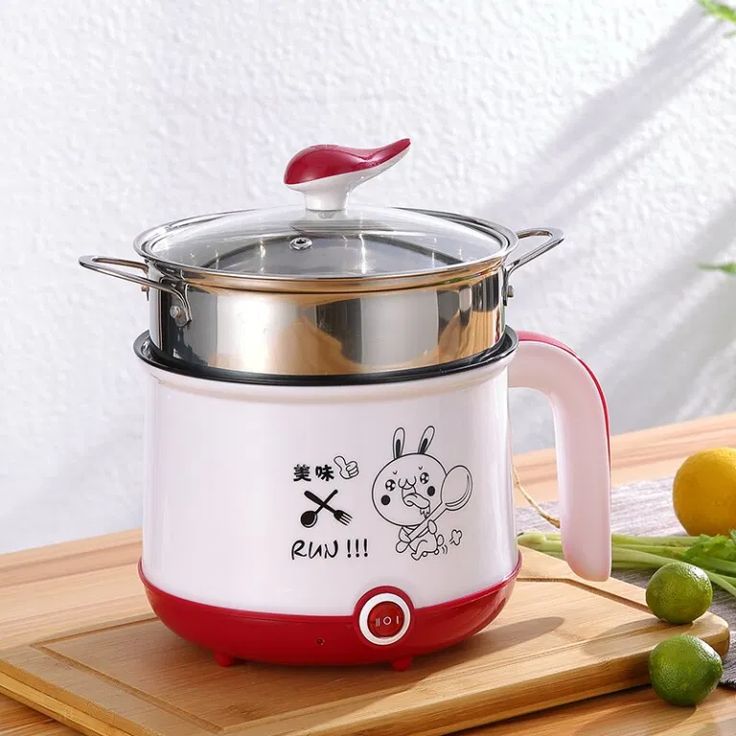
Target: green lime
[[678, 593], [684, 670]]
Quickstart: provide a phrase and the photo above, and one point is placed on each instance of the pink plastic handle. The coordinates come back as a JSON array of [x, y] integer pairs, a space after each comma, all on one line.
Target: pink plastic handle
[[583, 447]]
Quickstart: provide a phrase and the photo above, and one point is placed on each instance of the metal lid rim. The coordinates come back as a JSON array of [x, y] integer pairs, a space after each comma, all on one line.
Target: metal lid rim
[[356, 282]]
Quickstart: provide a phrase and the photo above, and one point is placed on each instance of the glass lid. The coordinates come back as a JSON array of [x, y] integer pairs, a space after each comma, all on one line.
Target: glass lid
[[327, 238]]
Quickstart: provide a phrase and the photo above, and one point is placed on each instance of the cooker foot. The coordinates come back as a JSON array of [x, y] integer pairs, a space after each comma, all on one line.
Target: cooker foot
[[399, 665], [224, 660]]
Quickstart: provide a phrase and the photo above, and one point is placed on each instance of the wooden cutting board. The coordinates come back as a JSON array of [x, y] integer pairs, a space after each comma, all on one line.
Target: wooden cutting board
[[559, 639]]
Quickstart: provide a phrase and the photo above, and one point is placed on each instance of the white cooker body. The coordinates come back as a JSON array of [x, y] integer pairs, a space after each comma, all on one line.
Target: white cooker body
[[300, 499]]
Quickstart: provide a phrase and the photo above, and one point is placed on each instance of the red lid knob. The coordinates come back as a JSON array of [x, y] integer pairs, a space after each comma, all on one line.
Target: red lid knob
[[327, 173]]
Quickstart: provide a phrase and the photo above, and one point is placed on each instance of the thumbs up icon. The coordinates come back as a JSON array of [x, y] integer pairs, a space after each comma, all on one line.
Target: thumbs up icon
[[348, 469]]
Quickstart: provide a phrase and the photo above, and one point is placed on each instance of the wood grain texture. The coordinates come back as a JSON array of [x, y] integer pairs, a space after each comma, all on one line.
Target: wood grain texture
[[26, 613], [559, 639]]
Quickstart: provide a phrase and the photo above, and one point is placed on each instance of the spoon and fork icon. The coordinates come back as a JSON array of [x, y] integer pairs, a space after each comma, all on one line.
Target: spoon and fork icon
[[309, 518]]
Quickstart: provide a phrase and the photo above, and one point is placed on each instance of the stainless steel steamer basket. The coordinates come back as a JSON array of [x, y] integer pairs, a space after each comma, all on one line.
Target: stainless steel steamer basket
[[355, 325]]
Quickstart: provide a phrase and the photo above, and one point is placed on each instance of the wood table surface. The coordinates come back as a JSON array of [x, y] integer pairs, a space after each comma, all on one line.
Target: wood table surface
[[50, 589]]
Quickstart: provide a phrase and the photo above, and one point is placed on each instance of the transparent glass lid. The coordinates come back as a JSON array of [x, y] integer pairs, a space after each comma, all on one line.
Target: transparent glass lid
[[292, 242], [327, 238]]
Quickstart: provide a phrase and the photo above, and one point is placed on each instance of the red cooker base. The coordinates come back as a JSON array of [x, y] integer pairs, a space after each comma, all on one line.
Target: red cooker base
[[324, 640]]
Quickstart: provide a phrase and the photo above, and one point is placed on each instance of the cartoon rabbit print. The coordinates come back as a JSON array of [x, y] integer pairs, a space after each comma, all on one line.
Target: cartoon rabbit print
[[413, 490]]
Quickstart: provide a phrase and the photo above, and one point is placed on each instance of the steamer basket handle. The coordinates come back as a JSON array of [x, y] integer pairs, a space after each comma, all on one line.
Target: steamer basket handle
[[554, 237], [102, 264]]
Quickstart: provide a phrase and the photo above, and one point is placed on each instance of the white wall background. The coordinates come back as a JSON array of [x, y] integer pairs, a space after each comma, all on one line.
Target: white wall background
[[614, 121]]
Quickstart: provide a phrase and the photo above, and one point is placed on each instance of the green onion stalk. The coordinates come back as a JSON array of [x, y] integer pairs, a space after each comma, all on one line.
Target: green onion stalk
[[715, 555]]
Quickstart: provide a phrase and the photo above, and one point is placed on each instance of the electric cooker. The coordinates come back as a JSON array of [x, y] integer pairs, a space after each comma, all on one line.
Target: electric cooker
[[327, 441]]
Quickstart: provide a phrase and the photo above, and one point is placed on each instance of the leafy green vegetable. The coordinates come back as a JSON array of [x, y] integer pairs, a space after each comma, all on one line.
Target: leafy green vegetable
[[716, 555], [721, 11], [729, 267], [720, 546]]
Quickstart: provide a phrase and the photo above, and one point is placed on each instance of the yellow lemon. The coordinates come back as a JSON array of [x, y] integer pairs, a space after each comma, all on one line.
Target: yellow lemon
[[704, 492]]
